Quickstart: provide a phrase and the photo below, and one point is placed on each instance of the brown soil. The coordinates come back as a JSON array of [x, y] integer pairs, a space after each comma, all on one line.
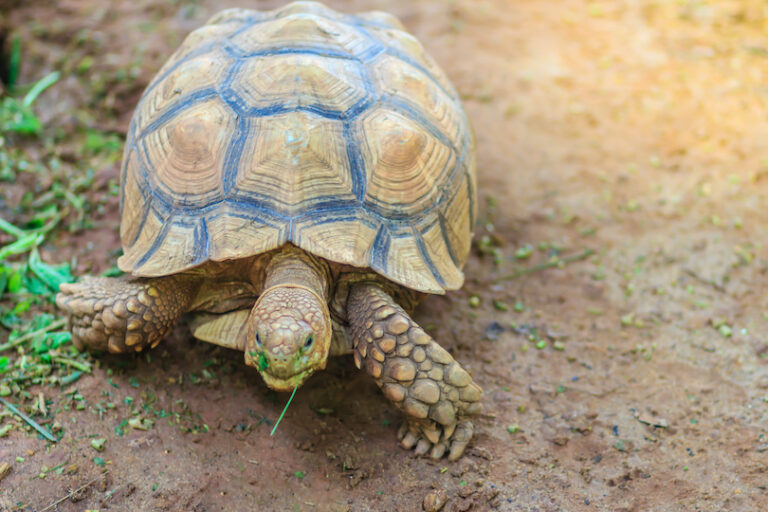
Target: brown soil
[[637, 129]]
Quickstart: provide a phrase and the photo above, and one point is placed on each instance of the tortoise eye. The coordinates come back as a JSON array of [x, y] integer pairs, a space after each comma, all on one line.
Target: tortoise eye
[[258, 340], [309, 342]]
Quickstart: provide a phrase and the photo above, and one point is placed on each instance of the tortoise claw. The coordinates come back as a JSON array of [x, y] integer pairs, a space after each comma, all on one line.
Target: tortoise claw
[[461, 437], [402, 431], [438, 451], [409, 441], [432, 433], [436, 440], [422, 447]]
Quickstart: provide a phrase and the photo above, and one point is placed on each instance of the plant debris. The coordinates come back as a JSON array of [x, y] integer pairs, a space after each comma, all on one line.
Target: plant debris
[[554, 261], [651, 420], [29, 420], [5, 470]]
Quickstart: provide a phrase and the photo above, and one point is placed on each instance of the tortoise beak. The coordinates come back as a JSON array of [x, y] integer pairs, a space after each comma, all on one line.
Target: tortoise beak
[[286, 384], [284, 372]]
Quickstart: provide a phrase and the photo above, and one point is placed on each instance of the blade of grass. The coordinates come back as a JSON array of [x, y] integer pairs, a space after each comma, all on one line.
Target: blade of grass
[[72, 377], [83, 367], [42, 84], [554, 262], [58, 324], [283, 413], [11, 229], [46, 273], [32, 423], [21, 245], [14, 63], [51, 223], [26, 239]]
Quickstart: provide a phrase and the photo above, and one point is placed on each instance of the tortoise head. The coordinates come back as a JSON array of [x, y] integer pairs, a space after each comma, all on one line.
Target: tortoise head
[[289, 336]]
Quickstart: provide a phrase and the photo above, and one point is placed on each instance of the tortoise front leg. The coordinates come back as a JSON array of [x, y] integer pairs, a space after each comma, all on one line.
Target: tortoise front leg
[[414, 372], [119, 315]]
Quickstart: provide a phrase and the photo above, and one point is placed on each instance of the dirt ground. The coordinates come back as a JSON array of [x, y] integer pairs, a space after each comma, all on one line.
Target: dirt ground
[[635, 379]]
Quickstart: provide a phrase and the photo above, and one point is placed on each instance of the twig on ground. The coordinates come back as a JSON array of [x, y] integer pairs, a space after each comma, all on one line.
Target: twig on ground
[[72, 493], [550, 263], [704, 280]]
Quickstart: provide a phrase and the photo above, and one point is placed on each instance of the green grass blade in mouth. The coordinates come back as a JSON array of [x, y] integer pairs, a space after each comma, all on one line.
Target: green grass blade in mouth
[[283, 413]]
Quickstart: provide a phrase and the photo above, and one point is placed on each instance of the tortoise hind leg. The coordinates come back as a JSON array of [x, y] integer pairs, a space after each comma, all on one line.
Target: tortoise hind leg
[[414, 372], [119, 315]]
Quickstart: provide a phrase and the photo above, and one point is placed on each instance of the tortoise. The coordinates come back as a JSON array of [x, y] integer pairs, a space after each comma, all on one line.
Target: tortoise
[[297, 179]]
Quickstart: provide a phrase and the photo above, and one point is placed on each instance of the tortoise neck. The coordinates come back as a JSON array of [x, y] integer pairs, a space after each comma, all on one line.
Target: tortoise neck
[[291, 266]]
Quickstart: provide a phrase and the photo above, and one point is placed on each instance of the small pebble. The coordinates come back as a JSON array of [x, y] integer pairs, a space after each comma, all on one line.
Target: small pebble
[[493, 331], [5, 469], [434, 500]]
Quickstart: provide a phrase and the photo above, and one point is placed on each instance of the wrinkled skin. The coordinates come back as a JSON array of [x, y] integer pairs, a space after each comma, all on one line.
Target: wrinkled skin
[[288, 336]]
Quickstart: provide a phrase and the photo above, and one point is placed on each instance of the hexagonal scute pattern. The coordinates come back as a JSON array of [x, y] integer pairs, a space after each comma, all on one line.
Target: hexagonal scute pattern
[[334, 132], [197, 75], [300, 82], [294, 161], [198, 42], [409, 84], [406, 164], [189, 151], [407, 48]]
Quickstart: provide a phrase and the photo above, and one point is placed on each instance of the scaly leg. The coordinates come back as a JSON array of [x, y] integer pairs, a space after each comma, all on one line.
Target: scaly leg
[[418, 375], [119, 315]]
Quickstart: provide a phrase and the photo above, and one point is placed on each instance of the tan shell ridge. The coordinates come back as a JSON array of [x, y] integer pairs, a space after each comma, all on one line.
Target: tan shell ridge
[[334, 132]]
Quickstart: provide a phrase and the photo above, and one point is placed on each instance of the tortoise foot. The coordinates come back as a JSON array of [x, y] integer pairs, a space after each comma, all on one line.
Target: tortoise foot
[[118, 316], [420, 377]]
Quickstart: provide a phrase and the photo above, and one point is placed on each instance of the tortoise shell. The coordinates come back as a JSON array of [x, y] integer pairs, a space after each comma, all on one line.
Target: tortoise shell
[[333, 132]]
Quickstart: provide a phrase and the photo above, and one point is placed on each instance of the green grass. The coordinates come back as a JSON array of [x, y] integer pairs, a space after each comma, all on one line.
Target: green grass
[[14, 64], [274, 429], [36, 350], [17, 115]]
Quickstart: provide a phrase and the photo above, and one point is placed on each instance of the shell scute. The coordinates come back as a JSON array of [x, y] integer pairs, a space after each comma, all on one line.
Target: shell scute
[[284, 83], [188, 152], [405, 163], [407, 48], [200, 73], [293, 161], [410, 85]]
